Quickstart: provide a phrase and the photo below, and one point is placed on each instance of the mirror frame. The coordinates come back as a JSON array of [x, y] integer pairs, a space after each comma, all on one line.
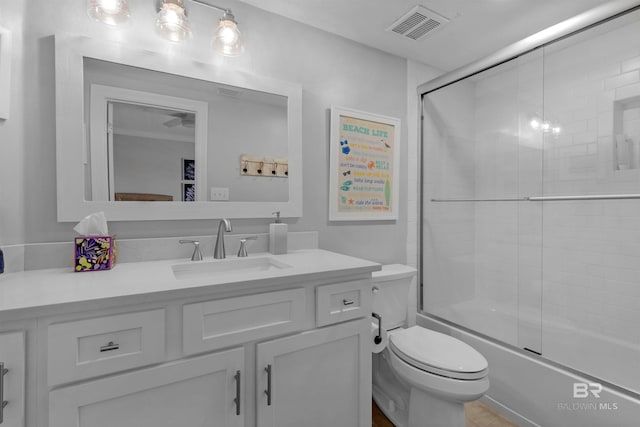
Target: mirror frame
[[72, 139]]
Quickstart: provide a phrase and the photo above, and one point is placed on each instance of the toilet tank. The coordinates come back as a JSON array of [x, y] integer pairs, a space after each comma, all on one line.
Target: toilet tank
[[391, 294]]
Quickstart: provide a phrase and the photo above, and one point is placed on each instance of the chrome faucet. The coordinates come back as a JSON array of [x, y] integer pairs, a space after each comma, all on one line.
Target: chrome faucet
[[218, 252], [197, 255]]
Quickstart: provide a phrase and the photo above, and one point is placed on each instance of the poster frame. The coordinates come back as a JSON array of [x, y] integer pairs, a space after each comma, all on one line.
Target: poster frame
[[335, 181]]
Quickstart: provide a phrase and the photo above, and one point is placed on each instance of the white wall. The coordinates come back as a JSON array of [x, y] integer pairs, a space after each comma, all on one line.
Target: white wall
[[330, 69], [148, 165], [12, 150]]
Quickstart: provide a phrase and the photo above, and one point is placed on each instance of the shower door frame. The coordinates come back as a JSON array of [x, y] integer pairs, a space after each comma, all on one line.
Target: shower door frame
[[563, 30]]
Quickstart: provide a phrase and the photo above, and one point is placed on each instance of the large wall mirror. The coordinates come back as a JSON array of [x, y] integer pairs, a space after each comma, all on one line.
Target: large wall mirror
[[146, 136]]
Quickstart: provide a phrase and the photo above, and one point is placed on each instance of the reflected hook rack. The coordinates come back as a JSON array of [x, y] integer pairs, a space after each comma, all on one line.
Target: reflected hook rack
[[270, 167]]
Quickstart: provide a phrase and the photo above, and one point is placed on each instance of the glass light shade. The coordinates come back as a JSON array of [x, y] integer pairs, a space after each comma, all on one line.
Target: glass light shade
[[172, 22], [227, 39], [111, 12]]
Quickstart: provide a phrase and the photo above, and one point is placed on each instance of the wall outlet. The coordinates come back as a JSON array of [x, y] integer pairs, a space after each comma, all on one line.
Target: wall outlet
[[219, 193]]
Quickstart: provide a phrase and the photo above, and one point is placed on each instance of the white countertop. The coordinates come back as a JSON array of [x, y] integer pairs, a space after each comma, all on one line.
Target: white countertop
[[51, 287]]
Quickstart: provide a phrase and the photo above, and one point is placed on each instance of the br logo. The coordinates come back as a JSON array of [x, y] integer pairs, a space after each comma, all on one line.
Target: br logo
[[582, 390]]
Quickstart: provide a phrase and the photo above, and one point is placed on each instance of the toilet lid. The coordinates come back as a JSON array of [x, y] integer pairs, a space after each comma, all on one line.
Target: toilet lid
[[438, 353]]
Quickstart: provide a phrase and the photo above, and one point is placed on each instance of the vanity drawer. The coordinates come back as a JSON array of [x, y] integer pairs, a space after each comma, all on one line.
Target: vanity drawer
[[97, 346], [225, 322], [342, 301]]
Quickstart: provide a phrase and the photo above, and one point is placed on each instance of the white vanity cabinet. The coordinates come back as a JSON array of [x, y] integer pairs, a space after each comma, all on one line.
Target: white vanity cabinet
[[305, 375], [12, 379], [317, 378], [202, 391], [286, 350]]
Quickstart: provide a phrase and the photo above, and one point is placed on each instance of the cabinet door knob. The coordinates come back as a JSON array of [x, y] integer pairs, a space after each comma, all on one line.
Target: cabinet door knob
[[347, 302], [3, 403], [268, 390]]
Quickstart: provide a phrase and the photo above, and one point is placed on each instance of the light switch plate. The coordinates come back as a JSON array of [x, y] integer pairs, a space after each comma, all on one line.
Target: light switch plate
[[219, 193]]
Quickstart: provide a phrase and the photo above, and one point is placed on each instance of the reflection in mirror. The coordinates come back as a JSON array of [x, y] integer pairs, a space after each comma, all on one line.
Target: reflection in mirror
[[122, 120], [140, 142], [140, 122], [151, 166]]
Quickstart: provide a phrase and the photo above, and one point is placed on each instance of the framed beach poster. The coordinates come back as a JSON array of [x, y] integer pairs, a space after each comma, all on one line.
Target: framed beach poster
[[365, 158]]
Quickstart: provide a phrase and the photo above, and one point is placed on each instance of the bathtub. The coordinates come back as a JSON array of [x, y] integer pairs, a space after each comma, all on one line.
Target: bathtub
[[535, 392]]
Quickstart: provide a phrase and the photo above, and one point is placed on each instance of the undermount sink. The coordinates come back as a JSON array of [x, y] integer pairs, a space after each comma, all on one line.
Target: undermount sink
[[226, 266]]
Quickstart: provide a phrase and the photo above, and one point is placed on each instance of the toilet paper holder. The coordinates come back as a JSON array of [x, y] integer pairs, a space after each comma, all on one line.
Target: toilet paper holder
[[378, 338]]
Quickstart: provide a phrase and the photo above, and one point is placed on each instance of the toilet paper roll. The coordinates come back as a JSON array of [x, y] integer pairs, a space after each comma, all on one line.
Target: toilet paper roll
[[377, 348]]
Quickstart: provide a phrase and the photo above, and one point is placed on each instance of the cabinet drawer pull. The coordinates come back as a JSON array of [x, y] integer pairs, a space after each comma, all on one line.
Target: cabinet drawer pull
[[3, 403], [268, 390], [110, 346], [347, 302], [237, 399]]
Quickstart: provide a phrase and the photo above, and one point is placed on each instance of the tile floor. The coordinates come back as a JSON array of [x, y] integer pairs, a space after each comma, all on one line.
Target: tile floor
[[477, 413]]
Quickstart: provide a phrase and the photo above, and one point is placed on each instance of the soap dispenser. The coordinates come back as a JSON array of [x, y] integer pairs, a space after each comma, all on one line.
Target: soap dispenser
[[278, 236]]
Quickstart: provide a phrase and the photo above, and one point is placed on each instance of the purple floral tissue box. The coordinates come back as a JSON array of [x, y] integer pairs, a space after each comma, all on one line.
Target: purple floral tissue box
[[94, 253]]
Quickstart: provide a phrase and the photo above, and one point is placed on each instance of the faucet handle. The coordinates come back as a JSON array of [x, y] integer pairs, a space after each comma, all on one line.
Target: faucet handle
[[197, 255], [242, 252]]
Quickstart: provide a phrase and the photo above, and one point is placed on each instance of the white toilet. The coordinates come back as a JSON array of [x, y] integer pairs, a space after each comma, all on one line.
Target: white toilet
[[421, 378]]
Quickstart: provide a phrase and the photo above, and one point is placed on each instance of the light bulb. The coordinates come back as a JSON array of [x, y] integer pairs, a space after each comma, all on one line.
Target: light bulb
[[227, 38], [172, 22], [110, 12], [535, 123]]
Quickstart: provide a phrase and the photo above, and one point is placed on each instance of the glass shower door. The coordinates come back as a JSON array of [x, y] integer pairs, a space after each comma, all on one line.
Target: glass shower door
[[531, 202], [591, 257], [481, 238]]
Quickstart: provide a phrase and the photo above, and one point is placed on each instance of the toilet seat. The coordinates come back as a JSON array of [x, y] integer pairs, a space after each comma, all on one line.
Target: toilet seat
[[438, 353]]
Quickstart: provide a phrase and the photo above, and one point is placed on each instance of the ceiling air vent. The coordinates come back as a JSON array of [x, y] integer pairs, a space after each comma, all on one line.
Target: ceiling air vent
[[225, 91], [417, 23]]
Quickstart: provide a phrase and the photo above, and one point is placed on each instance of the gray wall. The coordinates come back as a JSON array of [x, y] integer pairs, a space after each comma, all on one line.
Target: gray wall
[[331, 70]]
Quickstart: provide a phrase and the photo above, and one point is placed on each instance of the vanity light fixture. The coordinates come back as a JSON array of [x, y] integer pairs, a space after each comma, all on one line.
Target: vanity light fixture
[[172, 22], [227, 38], [111, 12]]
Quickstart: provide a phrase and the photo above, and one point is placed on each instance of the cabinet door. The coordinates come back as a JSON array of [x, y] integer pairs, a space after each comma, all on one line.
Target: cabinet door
[[12, 362], [194, 392], [318, 378]]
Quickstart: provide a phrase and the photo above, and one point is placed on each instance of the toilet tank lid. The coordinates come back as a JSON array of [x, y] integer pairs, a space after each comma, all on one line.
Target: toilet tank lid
[[393, 272]]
